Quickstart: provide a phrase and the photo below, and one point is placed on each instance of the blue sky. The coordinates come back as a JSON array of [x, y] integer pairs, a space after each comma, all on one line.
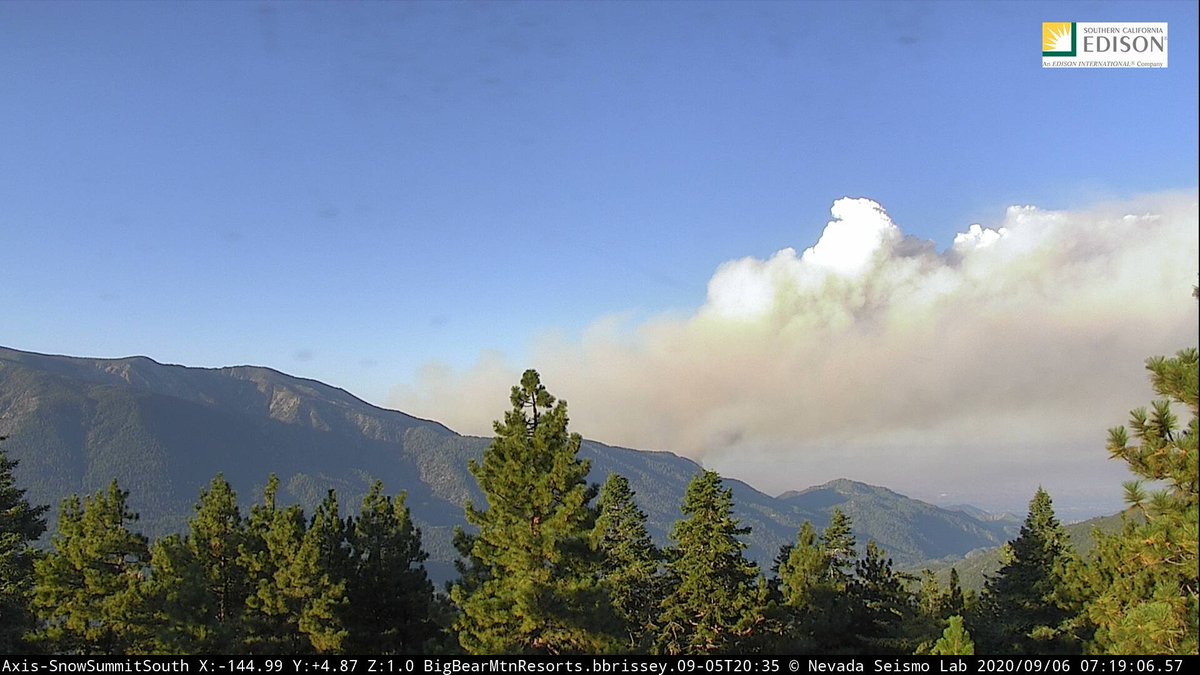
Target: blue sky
[[354, 191]]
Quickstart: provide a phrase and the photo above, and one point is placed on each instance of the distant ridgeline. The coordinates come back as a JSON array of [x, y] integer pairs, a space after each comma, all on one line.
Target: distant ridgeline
[[163, 432], [550, 562]]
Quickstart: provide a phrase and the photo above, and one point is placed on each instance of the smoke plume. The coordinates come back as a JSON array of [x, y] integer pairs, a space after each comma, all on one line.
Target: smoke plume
[[997, 362]]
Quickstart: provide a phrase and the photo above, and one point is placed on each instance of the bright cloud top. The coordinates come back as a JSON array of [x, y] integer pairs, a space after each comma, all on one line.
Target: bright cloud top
[[876, 356]]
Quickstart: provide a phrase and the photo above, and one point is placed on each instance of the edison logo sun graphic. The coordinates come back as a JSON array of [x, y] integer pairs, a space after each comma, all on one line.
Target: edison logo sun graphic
[[1058, 38]]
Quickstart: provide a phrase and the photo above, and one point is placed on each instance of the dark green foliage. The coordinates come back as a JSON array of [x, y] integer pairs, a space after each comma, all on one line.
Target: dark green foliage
[[217, 536], [178, 603], [1145, 577], [954, 602], [838, 543], [198, 585], [717, 599], [88, 590], [804, 590], [1027, 607], [831, 617], [885, 617], [391, 602], [815, 606], [533, 584], [20, 526], [802, 568], [631, 562]]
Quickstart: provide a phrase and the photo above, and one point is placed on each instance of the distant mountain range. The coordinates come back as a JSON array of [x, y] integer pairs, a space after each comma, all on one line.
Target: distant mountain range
[[163, 431], [978, 565]]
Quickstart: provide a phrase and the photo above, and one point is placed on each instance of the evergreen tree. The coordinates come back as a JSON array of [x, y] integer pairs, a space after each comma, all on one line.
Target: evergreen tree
[[930, 596], [832, 615], [885, 616], [217, 535], [631, 564], [838, 542], [210, 616], [1147, 575], [178, 602], [293, 604], [717, 601], [1027, 607], [391, 601], [953, 601], [20, 526], [531, 584], [88, 589], [803, 570], [955, 640], [332, 538], [930, 618]]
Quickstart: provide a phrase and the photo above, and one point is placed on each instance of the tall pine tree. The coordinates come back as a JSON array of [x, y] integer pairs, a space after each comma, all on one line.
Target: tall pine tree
[[885, 613], [717, 600], [631, 567], [293, 606], [531, 584], [217, 533], [88, 590], [179, 608], [1027, 606], [199, 585], [832, 617], [20, 526], [1147, 575], [803, 586], [391, 604]]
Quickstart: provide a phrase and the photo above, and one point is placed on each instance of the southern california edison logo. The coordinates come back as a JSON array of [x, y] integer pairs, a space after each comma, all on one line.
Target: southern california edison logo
[[1058, 38]]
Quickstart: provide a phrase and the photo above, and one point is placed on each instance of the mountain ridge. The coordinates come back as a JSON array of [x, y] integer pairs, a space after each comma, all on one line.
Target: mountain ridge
[[164, 430]]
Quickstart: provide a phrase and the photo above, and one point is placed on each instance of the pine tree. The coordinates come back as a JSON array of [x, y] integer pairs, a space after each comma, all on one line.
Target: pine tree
[[930, 618], [1027, 607], [217, 535], [293, 605], [953, 601], [838, 542], [391, 600], [20, 526], [631, 565], [531, 582], [1147, 575], [717, 600], [955, 640], [332, 537], [178, 602], [197, 587], [198, 584], [885, 615], [831, 617], [803, 570], [88, 589]]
